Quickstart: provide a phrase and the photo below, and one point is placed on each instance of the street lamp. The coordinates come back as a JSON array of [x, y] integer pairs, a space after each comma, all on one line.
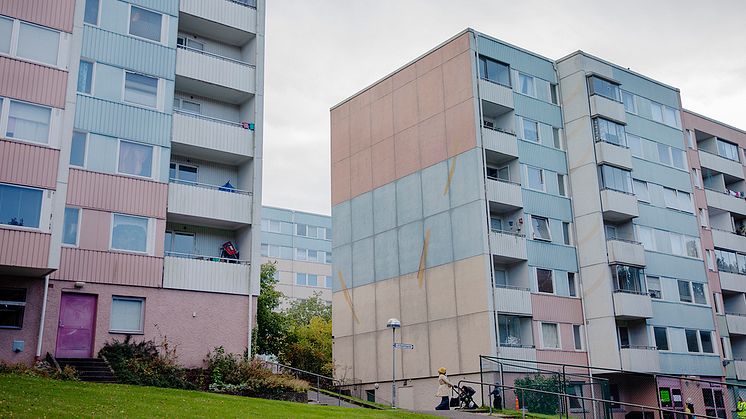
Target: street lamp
[[393, 324]]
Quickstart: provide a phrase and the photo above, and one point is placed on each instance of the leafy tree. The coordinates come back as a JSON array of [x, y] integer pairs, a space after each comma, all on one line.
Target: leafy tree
[[535, 401], [310, 346], [272, 325], [301, 312]]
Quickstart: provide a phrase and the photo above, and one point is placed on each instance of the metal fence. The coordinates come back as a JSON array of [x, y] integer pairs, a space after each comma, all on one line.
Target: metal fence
[[330, 386]]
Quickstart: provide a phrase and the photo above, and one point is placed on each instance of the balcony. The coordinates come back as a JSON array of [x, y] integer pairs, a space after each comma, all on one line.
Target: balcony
[[607, 108], [728, 240], [496, 93], [229, 21], [632, 305], [512, 300], [732, 282], [24, 252], [615, 155], [500, 141], [208, 205], [640, 359], [725, 201], [740, 369], [736, 323], [205, 273], [618, 206], [211, 139], [625, 252], [720, 164], [213, 76], [504, 193], [508, 247]]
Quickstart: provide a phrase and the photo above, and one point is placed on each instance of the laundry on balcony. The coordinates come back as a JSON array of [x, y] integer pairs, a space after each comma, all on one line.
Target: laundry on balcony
[[227, 187]]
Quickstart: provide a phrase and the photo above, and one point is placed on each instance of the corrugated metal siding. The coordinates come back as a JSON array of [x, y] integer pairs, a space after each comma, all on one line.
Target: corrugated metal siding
[[520, 60], [24, 248], [166, 6], [557, 309], [547, 205], [205, 133], [662, 264], [666, 219], [128, 52], [548, 255], [117, 193], [208, 172], [28, 164], [208, 241], [655, 131], [685, 364], [540, 156], [224, 12], [644, 87], [202, 275], [123, 121], [109, 268], [214, 70], [32, 82], [537, 110], [562, 357], [201, 202], [57, 14], [660, 174]]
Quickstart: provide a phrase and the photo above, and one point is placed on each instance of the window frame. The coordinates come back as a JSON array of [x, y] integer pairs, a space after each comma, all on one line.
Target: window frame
[[77, 225], [523, 130], [147, 234], [572, 285], [153, 159], [559, 336], [85, 149], [633, 109], [173, 233], [158, 89], [665, 334], [16, 38], [551, 280], [98, 13], [486, 76], [93, 77], [543, 178], [5, 118], [141, 300], [592, 87], [162, 28], [533, 85], [577, 334], [21, 304], [548, 226], [41, 209]]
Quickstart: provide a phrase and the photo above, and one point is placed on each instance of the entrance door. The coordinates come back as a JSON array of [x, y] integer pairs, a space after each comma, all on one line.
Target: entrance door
[[75, 330]]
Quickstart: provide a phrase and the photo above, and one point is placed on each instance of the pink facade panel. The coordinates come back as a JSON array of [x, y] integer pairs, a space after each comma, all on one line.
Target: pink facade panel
[[561, 357], [117, 193], [57, 14], [24, 248], [28, 164], [109, 268], [32, 82], [700, 123], [557, 309]]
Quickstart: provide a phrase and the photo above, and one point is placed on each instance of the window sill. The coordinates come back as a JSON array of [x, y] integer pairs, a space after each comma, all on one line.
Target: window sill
[[124, 332], [10, 328], [23, 228], [30, 61], [24, 141]]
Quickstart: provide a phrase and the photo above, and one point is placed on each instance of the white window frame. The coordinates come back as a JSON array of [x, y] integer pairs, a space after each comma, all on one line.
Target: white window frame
[[538, 130], [93, 78], [77, 232], [158, 92], [554, 281], [178, 165], [148, 235], [575, 284], [562, 180], [142, 315], [98, 15], [15, 37], [298, 252], [305, 279], [164, 25], [559, 336], [660, 285], [633, 111], [533, 83], [180, 107], [549, 228], [668, 338], [85, 150], [43, 210], [580, 334], [153, 156], [543, 178], [5, 103]]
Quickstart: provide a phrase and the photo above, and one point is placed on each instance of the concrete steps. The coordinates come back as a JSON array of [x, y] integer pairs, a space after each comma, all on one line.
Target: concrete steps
[[90, 369]]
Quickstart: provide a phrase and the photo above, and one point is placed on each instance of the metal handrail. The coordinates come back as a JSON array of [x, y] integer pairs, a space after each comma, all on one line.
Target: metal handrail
[[497, 179], [512, 287], [511, 345], [603, 140], [606, 188], [209, 118], [495, 82], [220, 57], [735, 314], [636, 292], [206, 258], [512, 233], [725, 192], [718, 155], [498, 129], [648, 347], [248, 3], [208, 186], [619, 239]]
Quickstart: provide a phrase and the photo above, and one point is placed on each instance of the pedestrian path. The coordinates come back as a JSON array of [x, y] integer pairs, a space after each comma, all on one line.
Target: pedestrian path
[[326, 400]]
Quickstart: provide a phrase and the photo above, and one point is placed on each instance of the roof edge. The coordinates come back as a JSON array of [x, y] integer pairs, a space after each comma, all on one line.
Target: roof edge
[[715, 121]]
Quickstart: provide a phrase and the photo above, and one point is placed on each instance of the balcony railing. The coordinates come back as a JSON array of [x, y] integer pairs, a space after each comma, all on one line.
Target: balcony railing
[[620, 239], [498, 129], [503, 180], [512, 233], [495, 82], [645, 347], [247, 3], [220, 57], [211, 187], [516, 345], [210, 118], [207, 258], [512, 287]]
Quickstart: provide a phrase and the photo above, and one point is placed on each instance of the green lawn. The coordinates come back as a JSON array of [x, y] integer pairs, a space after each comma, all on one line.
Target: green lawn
[[23, 396]]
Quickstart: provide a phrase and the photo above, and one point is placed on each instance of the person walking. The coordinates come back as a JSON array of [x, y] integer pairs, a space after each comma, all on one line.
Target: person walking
[[689, 409], [444, 390], [741, 408]]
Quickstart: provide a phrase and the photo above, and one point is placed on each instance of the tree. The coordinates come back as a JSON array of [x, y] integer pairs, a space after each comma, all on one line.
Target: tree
[[536, 401], [302, 311], [310, 347], [272, 326]]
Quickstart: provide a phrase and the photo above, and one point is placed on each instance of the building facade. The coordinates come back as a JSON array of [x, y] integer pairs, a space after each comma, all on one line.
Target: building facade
[[299, 243], [148, 138], [501, 203]]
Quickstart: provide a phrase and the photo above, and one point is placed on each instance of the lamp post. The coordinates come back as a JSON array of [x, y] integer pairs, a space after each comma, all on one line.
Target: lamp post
[[393, 324]]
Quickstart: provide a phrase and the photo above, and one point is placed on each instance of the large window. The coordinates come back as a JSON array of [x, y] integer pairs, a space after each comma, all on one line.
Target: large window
[[274, 251], [628, 279], [732, 262], [28, 122], [90, 15], [182, 173], [275, 226], [605, 88], [727, 150], [129, 233], [6, 30], [494, 71], [616, 178], [530, 130], [550, 335], [12, 306], [544, 281], [179, 243], [141, 89], [535, 178], [665, 114], [609, 131], [145, 24], [510, 330], [526, 85], [20, 206], [540, 226], [135, 159], [85, 77], [641, 190], [127, 315], [685, 294], [692, 343], [629, 102], [577, 337], [77, 149], [654, 287], [70, 226], [661, 338], [38, 44]]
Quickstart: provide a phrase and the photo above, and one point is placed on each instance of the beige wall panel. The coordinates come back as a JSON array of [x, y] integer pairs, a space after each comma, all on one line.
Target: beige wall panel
[[471, 285], [590, 239], [341, 181], [428, 62], [441, 292], [474, 340], [343, 359], [574, 96], [414, 300], [444, 347], [360, 129], [602, 347], [416, 362], [340, 129], [578, 136], [460, 128], [365, 356], [585, 178], [365, 307], [404, 76], [597, 291], [387, 302], [341, 316]]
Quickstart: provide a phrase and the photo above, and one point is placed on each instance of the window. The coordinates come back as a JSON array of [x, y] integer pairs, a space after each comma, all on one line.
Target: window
[[301, 254], [571, 286], [678, 158], [500, 277], [140, 89], [328, 257], [641, 190], [697, 177], [535, 178], [85, 77], [566, 233], [727, 150], [301, 229], [187, 105], [494, 71], [6, 30], [561, 184], [496, 224], [623, 336], [20, 206], [654, 287], [90, 15], [605, 88], [502, 173], [705, 338], [714, 402], [12, 306], [183, 173], [300, 279], [70, 226], [629, 279], [616, 179], [577, 337], [664, 114], [38, 44], [575, 389], [145, 24], [557, 138], [312, 280], [544, 281], [180, 243], [328, 282], [77, 149], [685, 294], [28, 122], [530, 130], [526, 85], [129, 233], [540, 226], [610, 231], [692, 343], [135, 159], [635, 145], [663, 154], [127, 314], [510, 330], [554, 93], [629, 102], [698, 292], [645, 236], [190, 43], [661, 338], [550, 335], [609, 132]]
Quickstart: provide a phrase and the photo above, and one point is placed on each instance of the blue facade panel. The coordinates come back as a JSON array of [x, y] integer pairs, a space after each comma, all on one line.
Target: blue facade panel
[[673, 314], [662, 264], [537, 110], [667, 219], [660, 174], [550, 255], [547, 205], [277, 214], [123, 121], [518, 59], [647, 88], [685, 364], [542, 156], [277, 239], [655, 131]]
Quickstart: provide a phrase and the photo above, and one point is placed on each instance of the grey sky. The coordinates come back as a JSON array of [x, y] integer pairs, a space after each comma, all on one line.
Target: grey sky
[[319, 52]]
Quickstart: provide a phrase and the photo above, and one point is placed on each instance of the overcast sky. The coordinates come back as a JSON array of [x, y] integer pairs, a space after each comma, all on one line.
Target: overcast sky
[[320, 52]]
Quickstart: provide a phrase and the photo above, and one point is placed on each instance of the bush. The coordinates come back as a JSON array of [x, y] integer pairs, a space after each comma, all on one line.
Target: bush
[[145, 363], [40, 369], [535, 401]]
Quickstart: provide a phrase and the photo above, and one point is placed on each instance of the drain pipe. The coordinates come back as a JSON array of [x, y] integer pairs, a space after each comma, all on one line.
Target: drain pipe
[[43, 315], [251, 321]]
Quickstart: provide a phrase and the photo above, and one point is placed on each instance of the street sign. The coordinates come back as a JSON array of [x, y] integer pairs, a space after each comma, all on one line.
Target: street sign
[[403, 345]]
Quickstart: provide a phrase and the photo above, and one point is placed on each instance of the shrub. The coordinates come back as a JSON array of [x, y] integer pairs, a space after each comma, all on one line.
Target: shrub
[[40, 369], [535, 401]]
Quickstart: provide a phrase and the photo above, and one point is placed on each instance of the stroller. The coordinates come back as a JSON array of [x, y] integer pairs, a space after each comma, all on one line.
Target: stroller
[[465, 399], [228, 251]]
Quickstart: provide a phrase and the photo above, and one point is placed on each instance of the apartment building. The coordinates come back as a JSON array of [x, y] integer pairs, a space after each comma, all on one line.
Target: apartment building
[[300, 244], [133, 175], [501, 203]]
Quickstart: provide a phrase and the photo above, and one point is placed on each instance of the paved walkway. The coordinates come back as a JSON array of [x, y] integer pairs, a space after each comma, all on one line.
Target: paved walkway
[[328, 400], [456, 414]]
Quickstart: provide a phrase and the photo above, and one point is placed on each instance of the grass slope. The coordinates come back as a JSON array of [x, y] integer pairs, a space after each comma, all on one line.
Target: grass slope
[[23, 396]]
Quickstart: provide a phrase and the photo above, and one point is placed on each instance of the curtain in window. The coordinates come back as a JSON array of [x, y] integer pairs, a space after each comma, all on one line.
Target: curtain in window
[[126, 315], [130, 233], [141, 89], [28, 122], [551, 335], [135, 159]]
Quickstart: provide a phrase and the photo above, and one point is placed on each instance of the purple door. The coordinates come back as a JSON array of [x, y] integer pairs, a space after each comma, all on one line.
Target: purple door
[[76, 326]]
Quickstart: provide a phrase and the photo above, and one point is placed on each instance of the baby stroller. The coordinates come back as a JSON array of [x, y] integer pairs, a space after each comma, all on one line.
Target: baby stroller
[[465, 399], [228, 251]]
